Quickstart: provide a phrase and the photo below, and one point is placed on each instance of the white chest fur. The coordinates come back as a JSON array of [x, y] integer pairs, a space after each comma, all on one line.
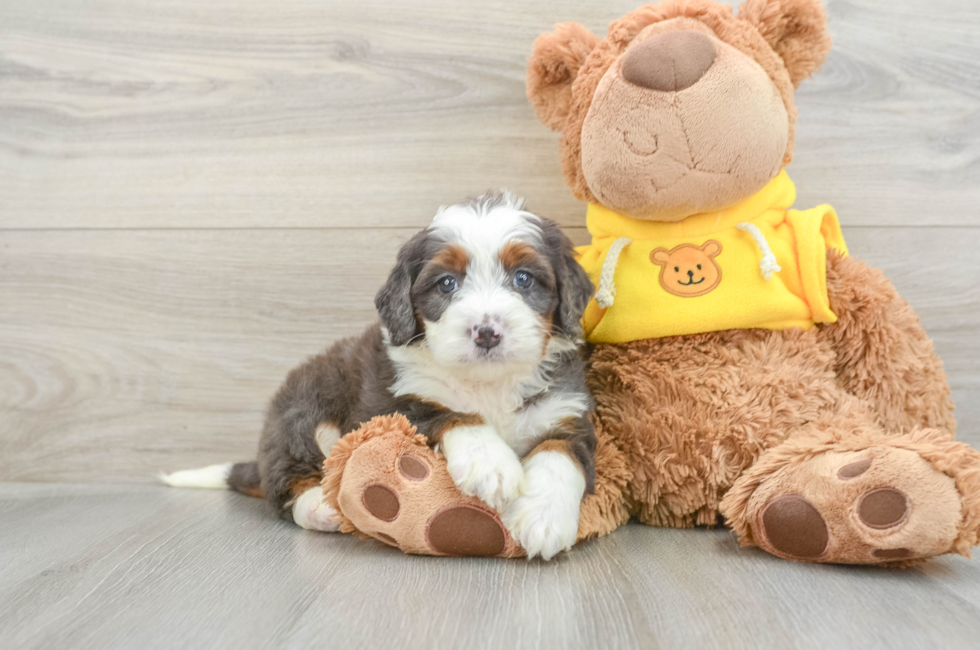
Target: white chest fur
[[519, 405]]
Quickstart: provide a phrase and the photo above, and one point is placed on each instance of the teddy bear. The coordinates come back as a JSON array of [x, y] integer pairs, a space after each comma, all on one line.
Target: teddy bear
[[746, 369]]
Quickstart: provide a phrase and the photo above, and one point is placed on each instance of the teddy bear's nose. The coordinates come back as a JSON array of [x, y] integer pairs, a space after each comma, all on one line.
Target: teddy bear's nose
[[669, 62]]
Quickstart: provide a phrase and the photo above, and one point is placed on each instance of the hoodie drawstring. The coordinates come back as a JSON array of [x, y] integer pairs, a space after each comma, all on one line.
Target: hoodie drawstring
[[768, 264], [606, 293]]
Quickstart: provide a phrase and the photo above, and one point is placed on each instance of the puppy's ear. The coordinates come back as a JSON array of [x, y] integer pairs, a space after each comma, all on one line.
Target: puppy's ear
[[795, 29], [394, 300], [553, 66], [572, 283]]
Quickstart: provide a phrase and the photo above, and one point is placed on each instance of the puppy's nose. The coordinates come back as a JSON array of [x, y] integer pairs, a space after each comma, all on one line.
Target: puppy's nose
[[487, 337], [669, 62]]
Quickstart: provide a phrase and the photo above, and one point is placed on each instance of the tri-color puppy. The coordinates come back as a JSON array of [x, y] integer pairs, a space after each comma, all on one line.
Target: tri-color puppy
[[480, 347]]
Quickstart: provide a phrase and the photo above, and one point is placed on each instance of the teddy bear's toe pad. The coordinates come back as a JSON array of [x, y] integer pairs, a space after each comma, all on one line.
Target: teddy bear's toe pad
[[794, 527], [875, 506], [381, 502], [882, 508], [465, 530]]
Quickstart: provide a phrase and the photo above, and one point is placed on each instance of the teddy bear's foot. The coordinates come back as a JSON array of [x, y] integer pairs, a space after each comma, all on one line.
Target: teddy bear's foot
[[386, 483], [903, 499]]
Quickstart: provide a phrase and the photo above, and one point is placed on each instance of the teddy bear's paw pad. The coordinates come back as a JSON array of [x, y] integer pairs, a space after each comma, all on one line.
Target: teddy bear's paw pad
[[381, 502], [794, 527], [879, 506], [412, 467], [883, 508], [467, 531], [853, 470]]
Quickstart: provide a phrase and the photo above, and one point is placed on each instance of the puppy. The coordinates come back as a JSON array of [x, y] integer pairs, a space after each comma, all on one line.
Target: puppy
[[479, 346]]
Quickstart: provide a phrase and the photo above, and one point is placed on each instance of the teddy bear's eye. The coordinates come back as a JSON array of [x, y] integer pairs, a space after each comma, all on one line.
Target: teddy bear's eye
[[699, 267], [677, 269]]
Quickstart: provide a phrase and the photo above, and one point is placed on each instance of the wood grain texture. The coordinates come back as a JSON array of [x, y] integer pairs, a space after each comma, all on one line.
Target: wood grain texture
[[124, 353], [302, 113], [195, 196], [108, 567]]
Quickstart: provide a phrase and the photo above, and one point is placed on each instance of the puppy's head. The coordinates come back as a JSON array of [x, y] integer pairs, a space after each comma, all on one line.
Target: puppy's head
[[487, 283]]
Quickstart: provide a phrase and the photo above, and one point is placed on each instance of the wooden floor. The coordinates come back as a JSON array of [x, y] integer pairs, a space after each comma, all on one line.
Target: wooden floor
[[194, 196], [89, 566]]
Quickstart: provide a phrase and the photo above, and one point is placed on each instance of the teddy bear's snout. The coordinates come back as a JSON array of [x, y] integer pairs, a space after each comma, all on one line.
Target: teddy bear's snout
[[669, 62]]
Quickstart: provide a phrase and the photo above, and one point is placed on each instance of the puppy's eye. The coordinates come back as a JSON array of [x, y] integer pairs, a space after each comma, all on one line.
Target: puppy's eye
[[523, 280], [447, 284]]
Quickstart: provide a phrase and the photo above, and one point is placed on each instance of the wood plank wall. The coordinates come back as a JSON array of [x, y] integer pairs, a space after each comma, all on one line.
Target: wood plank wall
[[195, 196]]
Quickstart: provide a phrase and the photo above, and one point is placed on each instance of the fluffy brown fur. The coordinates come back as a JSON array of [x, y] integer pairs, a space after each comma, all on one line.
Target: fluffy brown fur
[[883, 354], [558, 58]]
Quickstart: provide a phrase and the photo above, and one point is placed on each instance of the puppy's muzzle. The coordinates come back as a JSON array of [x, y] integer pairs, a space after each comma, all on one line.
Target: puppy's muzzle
[[486, 337]]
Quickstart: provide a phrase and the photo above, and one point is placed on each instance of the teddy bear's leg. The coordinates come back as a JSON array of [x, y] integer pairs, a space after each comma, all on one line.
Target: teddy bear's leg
[[884, 356], [690, 414], [605, 509], [846, 491], [385, 482]]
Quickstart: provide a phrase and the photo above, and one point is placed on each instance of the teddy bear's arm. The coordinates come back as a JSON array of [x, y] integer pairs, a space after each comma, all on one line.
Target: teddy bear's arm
[[883, 353]]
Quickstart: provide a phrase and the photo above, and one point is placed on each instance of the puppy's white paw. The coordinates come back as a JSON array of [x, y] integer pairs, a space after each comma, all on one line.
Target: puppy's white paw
[[544, 519], [483, 465], [311, 512]]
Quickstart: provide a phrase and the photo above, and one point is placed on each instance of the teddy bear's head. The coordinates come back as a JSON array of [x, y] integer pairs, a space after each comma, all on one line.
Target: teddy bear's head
[[685, 107]]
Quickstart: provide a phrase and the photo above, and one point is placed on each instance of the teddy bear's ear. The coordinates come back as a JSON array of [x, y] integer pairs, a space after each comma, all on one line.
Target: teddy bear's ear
[[554, 63], [795, 29]]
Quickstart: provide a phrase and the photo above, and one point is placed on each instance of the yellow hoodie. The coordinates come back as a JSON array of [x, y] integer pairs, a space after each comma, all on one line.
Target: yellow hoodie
[[756, 264]]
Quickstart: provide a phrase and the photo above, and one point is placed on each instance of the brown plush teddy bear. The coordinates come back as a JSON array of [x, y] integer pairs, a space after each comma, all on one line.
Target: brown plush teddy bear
[[744, 365]]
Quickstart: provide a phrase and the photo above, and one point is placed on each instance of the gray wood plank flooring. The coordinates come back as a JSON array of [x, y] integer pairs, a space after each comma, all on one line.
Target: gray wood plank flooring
[[87, 566]]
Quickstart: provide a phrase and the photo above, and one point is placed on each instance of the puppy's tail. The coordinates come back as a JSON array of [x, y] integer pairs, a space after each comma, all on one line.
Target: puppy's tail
[[240, 477]]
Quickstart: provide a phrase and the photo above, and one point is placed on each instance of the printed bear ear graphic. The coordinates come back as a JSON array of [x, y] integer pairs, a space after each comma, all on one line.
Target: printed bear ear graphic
[[711, 248], [660, 256]]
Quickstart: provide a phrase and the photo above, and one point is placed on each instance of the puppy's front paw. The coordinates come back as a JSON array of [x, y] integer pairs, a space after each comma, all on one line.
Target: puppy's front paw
[[544, 519], [311, 512], [482, 465]]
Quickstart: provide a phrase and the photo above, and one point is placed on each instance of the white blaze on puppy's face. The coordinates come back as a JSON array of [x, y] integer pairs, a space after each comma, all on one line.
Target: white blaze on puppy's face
[[499, 312]]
